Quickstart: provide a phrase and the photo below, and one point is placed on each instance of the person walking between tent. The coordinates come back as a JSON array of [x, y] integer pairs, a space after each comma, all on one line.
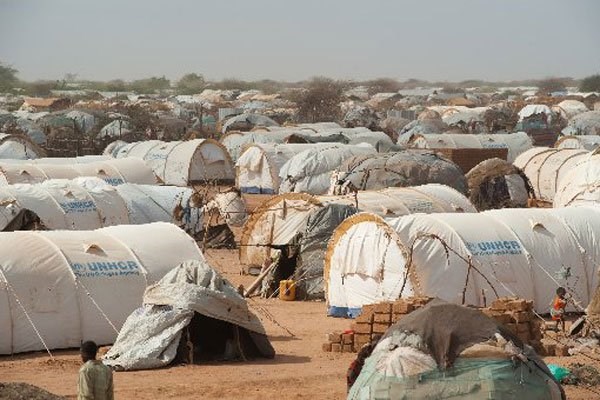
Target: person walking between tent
[[559, 304], [95, 378]]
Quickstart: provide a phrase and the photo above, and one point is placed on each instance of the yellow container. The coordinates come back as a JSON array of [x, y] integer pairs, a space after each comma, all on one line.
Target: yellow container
[[287, 290]]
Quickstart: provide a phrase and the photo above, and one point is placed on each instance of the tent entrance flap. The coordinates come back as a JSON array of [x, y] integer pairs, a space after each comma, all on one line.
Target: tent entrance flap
[[209, 339]]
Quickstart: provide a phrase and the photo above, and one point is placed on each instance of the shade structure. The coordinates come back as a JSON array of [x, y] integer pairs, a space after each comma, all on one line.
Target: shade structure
[[510, 252], [59, 288], [181, 163]]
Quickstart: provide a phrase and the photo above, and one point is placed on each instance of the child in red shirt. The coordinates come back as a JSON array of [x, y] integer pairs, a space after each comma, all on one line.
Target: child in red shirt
[[559, 304]]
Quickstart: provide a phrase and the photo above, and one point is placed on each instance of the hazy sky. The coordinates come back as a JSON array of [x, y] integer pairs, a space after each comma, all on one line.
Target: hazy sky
[[294, 40]]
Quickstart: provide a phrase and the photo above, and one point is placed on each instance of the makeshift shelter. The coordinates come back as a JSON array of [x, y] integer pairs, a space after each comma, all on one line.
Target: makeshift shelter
[[447, 351], [181, 163], [113, 148], [496, 183], [19, 147], [545, 167], [587, 123], [58, 288], [399, 169], [580, 185], [191, 314], [516, 143], [236, 142], [519, 252], [310, 170], [84, 122], [114, 172], [115, 129], [246, 122], [259, 166], [303, 224]]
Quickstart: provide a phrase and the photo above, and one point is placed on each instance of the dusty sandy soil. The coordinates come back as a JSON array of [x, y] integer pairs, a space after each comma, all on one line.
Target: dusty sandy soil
[[299, 371]]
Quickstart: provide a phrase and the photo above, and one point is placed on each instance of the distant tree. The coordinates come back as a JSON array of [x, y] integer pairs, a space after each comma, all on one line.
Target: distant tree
[[320, 102], [190, 84], [383, 85], [150, 85], [590, 83], [116, 85], [550, 85], [41, 88], [8, 77], [70, 77]]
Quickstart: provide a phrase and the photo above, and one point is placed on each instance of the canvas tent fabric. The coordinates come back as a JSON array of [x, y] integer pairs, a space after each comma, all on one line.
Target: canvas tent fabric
[[180, 163], [65, 287], [589, 142], [19, 147], [398, 169], [581, 184], [115, 129], [310, 170], [236, 142], [259, 166], [533, 109], [247, 121], [281, 220], [545, 167], [521, 252], [570, 108], [85, 122], [495, 183], [587, 123], [114, 172], [91, 203], [113, 148], [150, 337], [516, 143], [444, 349]]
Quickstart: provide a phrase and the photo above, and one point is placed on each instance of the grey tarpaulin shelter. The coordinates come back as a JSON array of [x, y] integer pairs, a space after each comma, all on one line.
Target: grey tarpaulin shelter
[[400, 169], [194, 302], [449, 351]]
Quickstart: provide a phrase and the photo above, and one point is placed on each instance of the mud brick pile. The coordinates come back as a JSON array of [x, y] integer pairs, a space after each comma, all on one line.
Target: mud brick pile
[[375, 319], [518, 317]]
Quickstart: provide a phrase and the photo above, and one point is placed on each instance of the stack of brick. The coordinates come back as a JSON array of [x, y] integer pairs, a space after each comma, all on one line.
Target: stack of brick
[[374, 319], [518, 317]]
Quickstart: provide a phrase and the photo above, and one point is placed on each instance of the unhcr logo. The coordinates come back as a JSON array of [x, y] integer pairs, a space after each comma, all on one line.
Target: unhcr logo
[[105, 269], [497, 247], [114, 181], [79, 206]]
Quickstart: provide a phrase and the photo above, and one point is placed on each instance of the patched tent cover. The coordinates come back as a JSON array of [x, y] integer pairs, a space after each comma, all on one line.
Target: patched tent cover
[[401, 169], [448, 351], [150, 336]]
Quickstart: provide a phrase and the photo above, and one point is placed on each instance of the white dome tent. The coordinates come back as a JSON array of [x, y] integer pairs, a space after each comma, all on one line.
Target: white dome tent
[[257, 169], [310, 170], [90, 203], [114, 172], [583, 142], [19, 147], [65, 287], [521, 252], [278, 220], [516, 143], [182, 163], [581, 184], [545, 167]]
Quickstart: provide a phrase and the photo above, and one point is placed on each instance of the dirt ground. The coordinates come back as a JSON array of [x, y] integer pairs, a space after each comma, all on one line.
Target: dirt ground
[[299, 371]]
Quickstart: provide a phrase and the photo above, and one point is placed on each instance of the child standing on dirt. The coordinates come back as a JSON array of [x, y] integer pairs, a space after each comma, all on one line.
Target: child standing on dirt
[[557, 310]]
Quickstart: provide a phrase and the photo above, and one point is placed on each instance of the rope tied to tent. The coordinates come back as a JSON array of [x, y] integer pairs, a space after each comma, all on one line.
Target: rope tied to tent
[[35, 329], [87, 292]]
